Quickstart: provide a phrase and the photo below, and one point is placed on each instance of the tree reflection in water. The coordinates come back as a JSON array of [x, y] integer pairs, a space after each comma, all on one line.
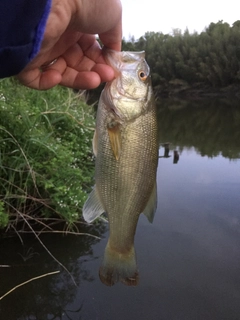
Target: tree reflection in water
[[45, 298], [205, 125]]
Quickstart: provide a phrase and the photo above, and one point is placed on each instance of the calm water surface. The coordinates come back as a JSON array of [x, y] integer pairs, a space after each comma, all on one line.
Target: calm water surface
[[188, 259]]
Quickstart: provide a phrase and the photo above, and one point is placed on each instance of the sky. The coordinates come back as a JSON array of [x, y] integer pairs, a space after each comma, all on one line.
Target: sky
[[140, 16]]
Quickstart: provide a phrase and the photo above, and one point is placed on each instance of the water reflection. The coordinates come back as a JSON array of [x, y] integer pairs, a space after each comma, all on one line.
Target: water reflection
[[175, 156], [188, 258], [48, 297], [212, 127], [166, 153]]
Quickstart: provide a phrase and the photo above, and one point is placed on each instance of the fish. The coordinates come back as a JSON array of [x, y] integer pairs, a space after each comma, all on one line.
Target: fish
[[125, 145]]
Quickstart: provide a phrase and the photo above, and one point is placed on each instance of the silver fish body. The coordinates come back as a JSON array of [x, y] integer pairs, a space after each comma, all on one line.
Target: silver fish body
[[126, 148]]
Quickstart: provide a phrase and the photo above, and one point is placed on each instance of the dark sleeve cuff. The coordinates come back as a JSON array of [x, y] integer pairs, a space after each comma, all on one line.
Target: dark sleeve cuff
[[22, 25]]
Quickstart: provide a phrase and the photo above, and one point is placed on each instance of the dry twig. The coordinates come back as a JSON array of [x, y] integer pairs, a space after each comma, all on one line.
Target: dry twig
[[4, 266], [62, 232], [32, 279]]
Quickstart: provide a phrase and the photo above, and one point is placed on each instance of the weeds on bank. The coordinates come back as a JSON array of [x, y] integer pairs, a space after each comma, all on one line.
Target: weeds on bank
[[46, 164]]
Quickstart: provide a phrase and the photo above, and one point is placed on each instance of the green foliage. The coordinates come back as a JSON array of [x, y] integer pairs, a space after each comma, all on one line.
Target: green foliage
[[46, 161], [3, 216], [211, 58]]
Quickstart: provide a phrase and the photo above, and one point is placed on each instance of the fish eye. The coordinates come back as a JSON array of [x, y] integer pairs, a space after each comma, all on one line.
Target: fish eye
[[142, 75]]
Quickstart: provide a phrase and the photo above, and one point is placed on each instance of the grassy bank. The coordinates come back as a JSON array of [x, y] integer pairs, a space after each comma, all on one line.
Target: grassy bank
[[46, 163]]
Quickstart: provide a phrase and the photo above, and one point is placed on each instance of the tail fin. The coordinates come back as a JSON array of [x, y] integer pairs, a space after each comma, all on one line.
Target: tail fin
[[119, 266]]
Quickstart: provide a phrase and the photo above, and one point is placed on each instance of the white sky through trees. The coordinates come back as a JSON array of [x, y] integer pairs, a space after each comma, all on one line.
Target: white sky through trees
[[140, 16]]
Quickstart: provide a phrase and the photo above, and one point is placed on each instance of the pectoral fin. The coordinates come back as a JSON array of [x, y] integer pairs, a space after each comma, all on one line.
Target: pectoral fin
[[114, 132], [151, 206], [92, 208]]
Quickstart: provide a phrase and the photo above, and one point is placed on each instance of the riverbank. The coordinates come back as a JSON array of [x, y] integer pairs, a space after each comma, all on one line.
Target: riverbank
[[46, 159]]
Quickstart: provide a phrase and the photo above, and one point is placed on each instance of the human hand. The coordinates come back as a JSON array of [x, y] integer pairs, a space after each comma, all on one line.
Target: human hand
[[69, 38]]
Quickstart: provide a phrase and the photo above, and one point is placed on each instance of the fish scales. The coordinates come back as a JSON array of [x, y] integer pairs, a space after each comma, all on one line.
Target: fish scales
[[125, 180]]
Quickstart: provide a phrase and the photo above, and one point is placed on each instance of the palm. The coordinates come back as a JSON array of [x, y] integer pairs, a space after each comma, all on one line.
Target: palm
[[80, 64]]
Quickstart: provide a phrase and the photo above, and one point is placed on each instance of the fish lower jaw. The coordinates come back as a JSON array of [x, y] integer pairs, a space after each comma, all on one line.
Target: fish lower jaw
[[119, 266]]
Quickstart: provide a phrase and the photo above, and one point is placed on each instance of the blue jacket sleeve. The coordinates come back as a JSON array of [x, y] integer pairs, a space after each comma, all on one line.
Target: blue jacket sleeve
[[22, 25]]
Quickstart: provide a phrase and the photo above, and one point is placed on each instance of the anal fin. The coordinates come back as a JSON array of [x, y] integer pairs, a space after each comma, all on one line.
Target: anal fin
[[151, 206]]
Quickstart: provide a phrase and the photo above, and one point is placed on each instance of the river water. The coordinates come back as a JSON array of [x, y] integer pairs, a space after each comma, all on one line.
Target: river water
[[188, 258]]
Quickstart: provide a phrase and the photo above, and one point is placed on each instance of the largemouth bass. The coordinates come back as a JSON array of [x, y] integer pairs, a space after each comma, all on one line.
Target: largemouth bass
[[126, 149]]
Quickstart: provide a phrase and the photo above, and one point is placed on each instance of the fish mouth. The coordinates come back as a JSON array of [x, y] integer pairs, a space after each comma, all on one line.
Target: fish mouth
[[126, 88], [112, 58], [122, 61], [116, 59]]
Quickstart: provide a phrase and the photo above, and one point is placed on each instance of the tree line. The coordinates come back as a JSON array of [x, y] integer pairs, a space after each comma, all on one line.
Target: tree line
[[211, 58]]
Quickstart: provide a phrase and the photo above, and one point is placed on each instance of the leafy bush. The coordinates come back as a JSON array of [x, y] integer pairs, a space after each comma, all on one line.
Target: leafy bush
[[46, 163], [211, 58]]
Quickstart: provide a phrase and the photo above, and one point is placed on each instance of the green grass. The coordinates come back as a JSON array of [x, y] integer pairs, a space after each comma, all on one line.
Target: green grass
[[46, 162]]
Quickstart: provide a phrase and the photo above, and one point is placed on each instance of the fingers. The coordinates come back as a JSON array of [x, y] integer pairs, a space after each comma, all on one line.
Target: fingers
[[103, 18], [69, 36], [42, 79], [87, 79], [112, 39], [84, 80], [60, 73], [81, 66]]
